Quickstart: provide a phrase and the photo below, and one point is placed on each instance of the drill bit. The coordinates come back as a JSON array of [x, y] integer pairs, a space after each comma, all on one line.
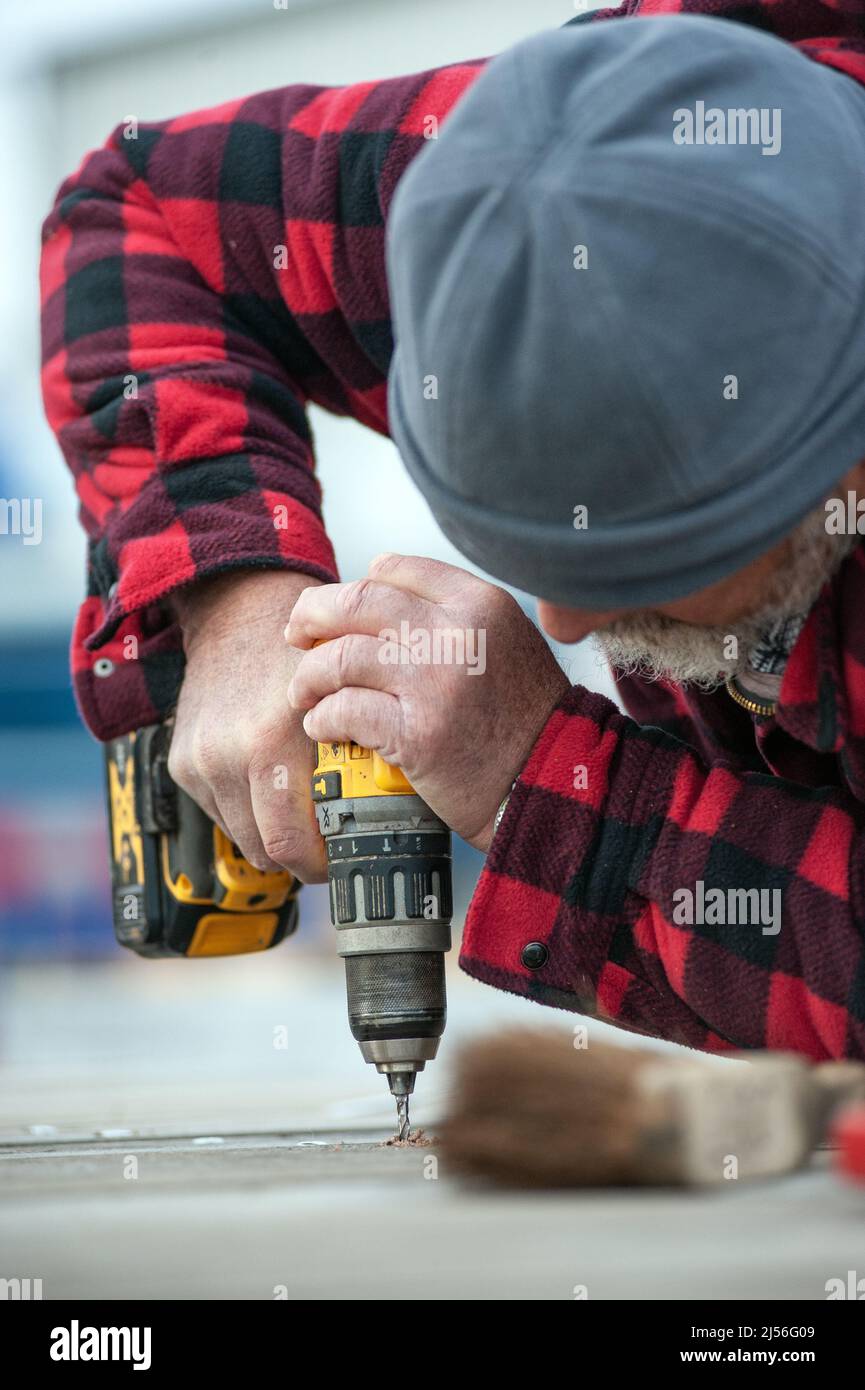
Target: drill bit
[[402, 1132], [401, 1085]]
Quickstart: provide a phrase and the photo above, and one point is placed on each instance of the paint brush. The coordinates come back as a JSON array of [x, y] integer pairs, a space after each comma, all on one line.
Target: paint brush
[[530, 1110]]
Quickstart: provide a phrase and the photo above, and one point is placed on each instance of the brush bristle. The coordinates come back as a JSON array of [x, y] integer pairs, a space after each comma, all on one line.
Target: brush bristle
[[531, 1110]]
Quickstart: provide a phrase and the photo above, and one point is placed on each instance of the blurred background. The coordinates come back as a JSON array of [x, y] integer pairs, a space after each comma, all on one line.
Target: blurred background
[[89, 1038]]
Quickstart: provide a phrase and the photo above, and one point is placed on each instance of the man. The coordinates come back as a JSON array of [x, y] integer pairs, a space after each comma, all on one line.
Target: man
[[628, 374]]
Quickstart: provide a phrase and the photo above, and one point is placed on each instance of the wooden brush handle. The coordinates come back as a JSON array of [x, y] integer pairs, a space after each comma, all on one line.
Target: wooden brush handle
[[835, 1084]]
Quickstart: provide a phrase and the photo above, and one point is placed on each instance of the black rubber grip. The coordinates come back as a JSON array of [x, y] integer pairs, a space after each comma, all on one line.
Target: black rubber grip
[[363, 872]]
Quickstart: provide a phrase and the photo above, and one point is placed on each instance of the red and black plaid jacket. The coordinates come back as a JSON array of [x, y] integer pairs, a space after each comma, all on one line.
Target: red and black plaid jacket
[[180, 348]]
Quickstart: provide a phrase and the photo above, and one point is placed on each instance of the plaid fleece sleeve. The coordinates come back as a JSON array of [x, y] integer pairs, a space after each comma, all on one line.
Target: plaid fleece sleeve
[[614, 888], [203, 279]]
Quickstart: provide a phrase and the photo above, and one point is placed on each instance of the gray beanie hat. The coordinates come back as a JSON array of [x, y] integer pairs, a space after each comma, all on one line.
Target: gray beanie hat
[[698, 383]]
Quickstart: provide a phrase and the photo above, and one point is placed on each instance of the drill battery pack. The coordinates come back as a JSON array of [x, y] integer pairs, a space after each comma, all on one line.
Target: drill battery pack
[[179, 887]]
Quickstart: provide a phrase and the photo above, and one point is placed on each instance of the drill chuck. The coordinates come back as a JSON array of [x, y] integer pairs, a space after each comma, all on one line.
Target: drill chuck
[[389, 872]]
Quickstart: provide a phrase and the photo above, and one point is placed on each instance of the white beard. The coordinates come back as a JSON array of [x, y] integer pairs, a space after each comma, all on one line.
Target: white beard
[[660, 648]]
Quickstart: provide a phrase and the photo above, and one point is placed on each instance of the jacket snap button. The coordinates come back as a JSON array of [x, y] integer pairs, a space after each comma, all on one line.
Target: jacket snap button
[[103, 667], [534, 955]]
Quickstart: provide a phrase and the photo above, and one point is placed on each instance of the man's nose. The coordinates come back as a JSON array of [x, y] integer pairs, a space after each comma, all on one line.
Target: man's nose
[[571, 624]]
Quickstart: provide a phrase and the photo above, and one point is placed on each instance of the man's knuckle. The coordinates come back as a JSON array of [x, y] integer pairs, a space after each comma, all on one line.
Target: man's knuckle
[[343, 656], [208, 756], [404, 727], [285, 846], [261, 765], [179, 763], [301, 604], [387, 564], [499, 602], [354, 596]]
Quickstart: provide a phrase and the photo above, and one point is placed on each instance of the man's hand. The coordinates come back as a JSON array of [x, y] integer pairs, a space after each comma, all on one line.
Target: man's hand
[[238, 747], [436, 670]]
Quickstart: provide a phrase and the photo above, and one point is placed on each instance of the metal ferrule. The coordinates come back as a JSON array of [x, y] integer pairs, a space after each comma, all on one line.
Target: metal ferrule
[[391, 1054], [393, 936]]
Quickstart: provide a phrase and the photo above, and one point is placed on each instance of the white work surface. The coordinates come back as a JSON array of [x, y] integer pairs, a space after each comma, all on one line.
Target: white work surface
[[261, 1169]]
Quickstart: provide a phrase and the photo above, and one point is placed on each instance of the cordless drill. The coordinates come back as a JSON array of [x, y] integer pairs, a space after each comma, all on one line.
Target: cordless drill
[[180, 888], [389, 874]]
